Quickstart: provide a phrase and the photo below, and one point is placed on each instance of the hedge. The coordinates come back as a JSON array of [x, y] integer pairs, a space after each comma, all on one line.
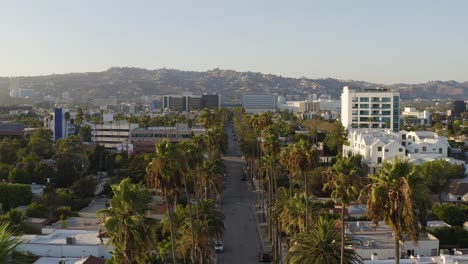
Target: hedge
[[13, 195]]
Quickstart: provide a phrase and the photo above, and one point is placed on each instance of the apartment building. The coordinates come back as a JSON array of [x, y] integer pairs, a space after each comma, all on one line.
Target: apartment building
[[259, 103], [370, 108], [377, 146], [411, 116], [112, 133]]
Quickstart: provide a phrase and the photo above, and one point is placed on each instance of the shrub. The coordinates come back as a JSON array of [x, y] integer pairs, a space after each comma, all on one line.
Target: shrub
[[12, 195]]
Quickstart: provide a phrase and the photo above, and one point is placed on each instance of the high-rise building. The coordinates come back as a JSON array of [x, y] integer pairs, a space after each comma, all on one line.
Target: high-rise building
[[259, 103], [189, 102], [370, 108], [211, 101], [458, 108]]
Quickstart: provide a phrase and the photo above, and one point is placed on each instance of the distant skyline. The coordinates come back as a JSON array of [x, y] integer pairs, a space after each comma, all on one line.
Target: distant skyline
[[377, 41]]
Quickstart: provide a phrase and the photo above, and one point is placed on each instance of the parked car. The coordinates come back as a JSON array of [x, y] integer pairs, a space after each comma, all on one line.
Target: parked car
[[264, 257], [219, 247]]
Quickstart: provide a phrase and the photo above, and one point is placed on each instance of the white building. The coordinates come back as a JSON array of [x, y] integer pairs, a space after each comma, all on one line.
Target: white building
[[377, 146], [259, 103], [60, 123], [111, 134], [66, 243], [412, 116], [370, 108], [378, 242]]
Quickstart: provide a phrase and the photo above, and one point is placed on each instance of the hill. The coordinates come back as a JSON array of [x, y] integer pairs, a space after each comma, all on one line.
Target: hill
[[132, 83]]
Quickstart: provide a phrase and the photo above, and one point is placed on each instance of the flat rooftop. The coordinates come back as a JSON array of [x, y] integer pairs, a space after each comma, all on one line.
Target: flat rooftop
[[59, 237], [372, 236]]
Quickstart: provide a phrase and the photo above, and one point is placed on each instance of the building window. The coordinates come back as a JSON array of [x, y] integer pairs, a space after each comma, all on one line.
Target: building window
[[355, 99], [403, 137], [379, 148], [364, 99], [416, 150], [423, 149], [409, 136], [379, 160], [364, 105], [386, 150], [400, 150], [440, 150]]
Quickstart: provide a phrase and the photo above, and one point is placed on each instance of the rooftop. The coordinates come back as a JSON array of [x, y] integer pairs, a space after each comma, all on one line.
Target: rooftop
[[59, 237]]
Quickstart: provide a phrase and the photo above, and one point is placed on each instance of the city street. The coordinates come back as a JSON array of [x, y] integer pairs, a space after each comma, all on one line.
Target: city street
[[241, 239]]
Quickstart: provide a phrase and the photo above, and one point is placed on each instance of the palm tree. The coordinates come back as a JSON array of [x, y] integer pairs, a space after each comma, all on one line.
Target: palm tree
[[321, 245], [8, 244], [390, 198], [164, 175], [206, 211], [210, 182], [345, 182], [204, 244], [129, 230], [300, 159]]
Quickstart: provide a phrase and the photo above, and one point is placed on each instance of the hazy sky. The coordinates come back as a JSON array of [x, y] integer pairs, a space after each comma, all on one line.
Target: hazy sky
[[379, 41]]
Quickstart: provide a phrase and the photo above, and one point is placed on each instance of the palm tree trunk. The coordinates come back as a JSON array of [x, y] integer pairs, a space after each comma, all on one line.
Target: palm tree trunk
[[396, 241], [191, 221], [307, 203], [342, 233], [169, 212]]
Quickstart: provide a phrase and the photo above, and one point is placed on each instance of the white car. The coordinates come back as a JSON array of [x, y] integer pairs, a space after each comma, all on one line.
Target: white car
[[219, 247]]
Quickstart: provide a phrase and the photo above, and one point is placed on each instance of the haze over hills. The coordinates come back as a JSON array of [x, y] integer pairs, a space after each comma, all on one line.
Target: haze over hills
[[132, 83]]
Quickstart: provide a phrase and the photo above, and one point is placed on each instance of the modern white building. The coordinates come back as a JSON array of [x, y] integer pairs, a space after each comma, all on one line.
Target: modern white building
[[259, 103], [412, 116], [61, 243], [370, 108], [60, 122], [377, 146], [111, 134], [377, 242]]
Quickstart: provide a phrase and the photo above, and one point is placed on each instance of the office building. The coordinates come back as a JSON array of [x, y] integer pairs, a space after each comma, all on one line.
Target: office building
[[259, 103], [60, 122], [411, 116], [458, 108], [189, 102], [370, 108], [111, 134], [144, 139]]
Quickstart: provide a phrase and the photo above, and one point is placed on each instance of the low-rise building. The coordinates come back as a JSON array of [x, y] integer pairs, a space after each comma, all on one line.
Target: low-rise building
[[377, 146], [455, 190], [111, 134], [378, 242], [144, 139], [411, 116], [61, 243]]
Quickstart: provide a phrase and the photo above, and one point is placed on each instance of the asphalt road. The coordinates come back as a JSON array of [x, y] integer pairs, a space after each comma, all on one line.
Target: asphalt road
[[241, 240]]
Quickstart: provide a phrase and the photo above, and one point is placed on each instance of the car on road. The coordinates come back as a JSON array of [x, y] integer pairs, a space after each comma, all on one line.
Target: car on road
[[238, 153], [243, 177], [264, 257], [219, 247]]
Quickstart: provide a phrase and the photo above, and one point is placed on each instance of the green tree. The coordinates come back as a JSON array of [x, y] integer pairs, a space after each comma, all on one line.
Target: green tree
[[345, 182], [131, 233], [18, 175], [451, 214], [321, 245], [40, 142], [164, 174], [390, 198]]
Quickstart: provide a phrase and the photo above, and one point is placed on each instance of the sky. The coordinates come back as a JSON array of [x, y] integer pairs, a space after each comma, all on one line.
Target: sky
[[378, 41]]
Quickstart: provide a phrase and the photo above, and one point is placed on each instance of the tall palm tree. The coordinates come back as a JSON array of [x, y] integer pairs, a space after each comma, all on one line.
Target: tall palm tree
[[192, 158], [204, 244], [345, 182], [125, 222], [300, 159], [207, 211], [321, 245], [164, 175], [390, 198], [210, 183]]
